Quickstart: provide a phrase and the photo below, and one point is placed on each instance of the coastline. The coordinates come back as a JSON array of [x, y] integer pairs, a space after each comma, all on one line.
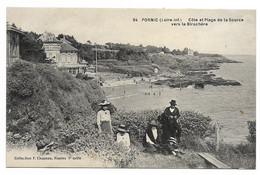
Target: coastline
[[180, 73], [143, 95]]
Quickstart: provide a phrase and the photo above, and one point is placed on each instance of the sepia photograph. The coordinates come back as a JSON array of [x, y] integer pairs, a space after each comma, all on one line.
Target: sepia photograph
[[130, 88]]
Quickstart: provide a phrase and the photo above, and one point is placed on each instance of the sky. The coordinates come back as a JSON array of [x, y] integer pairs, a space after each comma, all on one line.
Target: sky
[[117, 26]]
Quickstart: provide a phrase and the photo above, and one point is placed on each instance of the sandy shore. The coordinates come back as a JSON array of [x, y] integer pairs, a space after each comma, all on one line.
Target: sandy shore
[[115, 79]]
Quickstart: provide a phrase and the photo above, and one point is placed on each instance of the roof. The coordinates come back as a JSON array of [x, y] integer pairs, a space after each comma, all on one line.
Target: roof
[[11, 28], [67, 47], [49, 38], [64, 40]]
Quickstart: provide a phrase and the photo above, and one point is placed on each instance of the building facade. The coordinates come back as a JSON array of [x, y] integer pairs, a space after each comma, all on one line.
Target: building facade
[[12, 44], [62, 53]]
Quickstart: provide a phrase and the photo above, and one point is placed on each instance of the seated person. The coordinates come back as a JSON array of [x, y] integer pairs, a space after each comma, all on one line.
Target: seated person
[[171, 147], [151, 138], [122, 136]]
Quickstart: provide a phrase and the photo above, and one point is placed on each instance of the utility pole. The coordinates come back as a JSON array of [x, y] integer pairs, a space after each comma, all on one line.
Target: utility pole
[[96, 56]]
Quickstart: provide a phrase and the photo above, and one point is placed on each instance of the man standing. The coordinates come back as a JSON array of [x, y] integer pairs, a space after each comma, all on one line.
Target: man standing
[[170, 122]]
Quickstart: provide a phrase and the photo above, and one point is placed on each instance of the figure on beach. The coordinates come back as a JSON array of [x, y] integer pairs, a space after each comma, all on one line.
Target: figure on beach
[[170, 122], [152, 138], [104, 118], [122, 136]]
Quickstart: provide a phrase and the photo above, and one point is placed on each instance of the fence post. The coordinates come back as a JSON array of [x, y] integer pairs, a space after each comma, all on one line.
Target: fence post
[[217, 137]]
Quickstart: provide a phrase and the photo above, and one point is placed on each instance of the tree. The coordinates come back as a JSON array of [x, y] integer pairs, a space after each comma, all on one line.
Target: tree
[[185, 51], [178, 52], [60, 36], [174, 52], [166, 50], [152, 49], [31, 48], [195, 53], [13, 25], [89, 42]]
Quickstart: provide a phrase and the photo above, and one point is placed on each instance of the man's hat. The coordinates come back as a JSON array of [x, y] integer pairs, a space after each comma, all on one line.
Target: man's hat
[[173, 102], [122, 128], [153, 123], [104, 103], [172, 139]]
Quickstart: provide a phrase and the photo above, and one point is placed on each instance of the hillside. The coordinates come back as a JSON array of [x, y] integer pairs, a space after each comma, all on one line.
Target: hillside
[[42, 100]]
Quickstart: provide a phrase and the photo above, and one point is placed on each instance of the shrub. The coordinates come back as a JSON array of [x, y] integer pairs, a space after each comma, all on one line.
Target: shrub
[[193, 124], [39, 98], [81, 135], [22, 83], [196, 124], [252, 131], [83, 77]]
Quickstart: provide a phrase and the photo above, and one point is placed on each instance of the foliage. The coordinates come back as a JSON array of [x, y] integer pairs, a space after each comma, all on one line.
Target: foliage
[[252, 131], [193, 124], [195, 53], [131, 53], [22, 83], [166, 50], [196, 124], [31, 48], [81, 135], [185, 51], [177, 52], [83, 77], [153, 49], [45, 104], [41, 98]]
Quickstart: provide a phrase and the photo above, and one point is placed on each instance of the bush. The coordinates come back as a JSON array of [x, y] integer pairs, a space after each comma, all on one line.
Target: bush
[[196, 124], [252, 131], [41, 98], [193, 124], [22, 83], [82, 135], [83, 77]]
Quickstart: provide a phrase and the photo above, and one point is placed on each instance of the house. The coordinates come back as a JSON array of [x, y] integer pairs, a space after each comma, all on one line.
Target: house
[[12, 44], [62, 53]]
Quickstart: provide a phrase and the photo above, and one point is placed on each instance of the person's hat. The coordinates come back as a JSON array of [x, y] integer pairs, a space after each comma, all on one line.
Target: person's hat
[[104, 103], [173, 102], [122, 128], [153, 123], [172, 139]]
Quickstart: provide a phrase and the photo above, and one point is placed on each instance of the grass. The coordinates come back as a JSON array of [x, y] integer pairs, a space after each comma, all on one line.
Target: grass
[[188, 160]]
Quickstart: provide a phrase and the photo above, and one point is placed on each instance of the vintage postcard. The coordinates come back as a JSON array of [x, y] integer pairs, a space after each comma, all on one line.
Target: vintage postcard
[[131, 88]]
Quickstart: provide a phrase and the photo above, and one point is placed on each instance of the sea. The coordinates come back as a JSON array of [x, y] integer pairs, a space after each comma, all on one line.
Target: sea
[[229, 106]]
